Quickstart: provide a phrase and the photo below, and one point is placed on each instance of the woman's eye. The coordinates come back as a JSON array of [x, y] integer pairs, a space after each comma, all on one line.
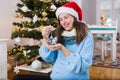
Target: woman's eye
[[66, 17]]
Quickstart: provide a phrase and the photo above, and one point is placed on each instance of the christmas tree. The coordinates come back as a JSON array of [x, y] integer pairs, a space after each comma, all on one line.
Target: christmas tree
[[34, 15]]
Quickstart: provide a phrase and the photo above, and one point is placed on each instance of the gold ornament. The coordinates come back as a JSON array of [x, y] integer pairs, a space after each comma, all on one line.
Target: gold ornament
[[20, 48], [40, 28], [44, 14], [14, 50], [9, 53], [15, 29], [44, 18], [102, 18], [21, 16], [22, 35], [26, 29], [18, 15], [28, 56]]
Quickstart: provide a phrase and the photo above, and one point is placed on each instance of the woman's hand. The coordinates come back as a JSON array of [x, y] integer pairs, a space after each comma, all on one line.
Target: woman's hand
[[59, 47], [46, 31], [56, 47]]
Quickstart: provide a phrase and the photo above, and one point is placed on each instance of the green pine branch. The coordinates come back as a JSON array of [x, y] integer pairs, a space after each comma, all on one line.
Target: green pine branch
[[18, 52]]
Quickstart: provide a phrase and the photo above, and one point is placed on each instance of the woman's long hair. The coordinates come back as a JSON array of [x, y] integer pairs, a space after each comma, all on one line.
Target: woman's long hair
[[81, 31]]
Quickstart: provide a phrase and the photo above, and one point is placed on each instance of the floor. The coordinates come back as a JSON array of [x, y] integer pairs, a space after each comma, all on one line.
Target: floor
[[96, 73], [102, 73]]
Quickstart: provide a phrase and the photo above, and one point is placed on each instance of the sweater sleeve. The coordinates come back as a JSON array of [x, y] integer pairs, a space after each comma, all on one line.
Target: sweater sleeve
[[47, 55], [81, 60]]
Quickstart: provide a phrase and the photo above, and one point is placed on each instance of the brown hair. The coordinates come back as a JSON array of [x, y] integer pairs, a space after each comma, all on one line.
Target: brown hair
[[81, 31]]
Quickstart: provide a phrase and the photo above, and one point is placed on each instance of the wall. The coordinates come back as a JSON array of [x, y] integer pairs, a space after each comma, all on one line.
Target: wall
[[89, 11], [7, 12]]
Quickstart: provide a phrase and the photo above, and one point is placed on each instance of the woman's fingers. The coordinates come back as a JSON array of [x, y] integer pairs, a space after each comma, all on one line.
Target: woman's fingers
[[46, 31], [55, 47]]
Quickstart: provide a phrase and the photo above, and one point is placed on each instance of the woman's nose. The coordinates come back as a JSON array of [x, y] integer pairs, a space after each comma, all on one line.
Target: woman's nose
[[64, 21]]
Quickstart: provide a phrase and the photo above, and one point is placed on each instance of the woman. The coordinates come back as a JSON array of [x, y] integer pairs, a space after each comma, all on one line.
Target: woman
[[73, 51]]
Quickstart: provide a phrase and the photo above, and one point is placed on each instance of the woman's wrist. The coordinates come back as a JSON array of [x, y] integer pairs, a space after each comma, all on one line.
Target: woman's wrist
[[45, 42], [65, 51]]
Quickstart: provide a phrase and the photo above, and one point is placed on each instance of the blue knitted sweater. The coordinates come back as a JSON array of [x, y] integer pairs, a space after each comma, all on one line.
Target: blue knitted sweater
[[74, 67]]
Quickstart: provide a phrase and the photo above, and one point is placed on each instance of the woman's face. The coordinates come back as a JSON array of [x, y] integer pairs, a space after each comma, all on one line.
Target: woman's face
[[66, 21]]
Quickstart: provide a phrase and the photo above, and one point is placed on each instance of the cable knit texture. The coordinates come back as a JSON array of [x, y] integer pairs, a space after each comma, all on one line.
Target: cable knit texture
[[74, 67]]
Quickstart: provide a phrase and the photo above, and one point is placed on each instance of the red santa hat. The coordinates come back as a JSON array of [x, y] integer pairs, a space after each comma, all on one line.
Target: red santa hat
[[71, 8]]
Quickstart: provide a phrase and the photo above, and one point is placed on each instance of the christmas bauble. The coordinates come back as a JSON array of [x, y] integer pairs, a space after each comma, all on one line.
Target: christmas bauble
[[15, 29], [44, 14], [36, 64], [40, 28]]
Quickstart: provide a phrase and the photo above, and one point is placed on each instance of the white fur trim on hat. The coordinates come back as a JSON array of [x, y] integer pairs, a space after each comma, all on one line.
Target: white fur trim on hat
[[66, 10]]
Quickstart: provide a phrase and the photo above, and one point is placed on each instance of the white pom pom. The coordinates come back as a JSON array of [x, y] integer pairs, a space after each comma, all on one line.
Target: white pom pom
[[36, 64]]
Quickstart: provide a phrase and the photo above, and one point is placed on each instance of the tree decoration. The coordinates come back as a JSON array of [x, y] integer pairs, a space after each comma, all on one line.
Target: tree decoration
[[16, 69], [36, 64], [35, 18], [44, 19], [18, 15], [15, 29], [44, 14], [30, 29], [24, 8], [40, 28], [18, 39], [53, 7], [24, 53]]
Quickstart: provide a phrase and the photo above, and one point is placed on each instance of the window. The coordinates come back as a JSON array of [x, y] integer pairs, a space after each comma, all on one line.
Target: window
[[111, 9]]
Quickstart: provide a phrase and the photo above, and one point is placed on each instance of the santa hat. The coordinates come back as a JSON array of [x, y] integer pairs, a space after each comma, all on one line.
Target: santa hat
[[71, 8]]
